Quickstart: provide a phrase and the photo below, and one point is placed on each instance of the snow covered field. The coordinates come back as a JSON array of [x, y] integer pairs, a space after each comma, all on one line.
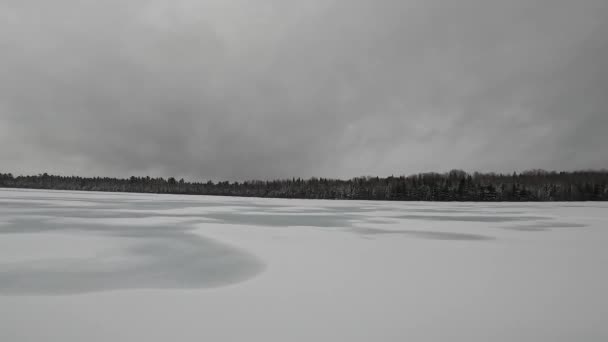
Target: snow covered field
[[77, 266]]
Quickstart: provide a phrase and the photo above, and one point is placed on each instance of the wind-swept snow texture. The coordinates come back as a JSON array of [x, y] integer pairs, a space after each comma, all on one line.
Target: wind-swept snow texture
[[78, 266]]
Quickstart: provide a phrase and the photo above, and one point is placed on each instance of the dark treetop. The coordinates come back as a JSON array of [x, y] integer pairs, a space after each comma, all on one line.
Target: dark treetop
[[456, 185]]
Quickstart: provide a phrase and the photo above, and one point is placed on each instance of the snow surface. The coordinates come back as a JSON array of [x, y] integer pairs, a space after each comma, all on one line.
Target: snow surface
[[78, 266]]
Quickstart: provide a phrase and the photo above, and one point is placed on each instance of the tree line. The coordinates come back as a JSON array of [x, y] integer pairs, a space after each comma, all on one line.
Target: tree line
[[456, 185]]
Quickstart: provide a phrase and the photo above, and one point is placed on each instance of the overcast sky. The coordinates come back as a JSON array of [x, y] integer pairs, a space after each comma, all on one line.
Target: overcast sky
[[240, 89]]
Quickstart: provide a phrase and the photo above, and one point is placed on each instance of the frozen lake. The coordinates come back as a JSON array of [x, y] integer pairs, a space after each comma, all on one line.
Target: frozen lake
[[79, 266]]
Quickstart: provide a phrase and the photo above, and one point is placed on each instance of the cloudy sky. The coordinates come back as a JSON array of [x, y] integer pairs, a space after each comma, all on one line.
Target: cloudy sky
[[240, 89]]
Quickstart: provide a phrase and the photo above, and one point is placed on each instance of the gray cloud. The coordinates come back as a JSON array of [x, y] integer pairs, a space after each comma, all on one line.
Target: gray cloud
[[238, 90]]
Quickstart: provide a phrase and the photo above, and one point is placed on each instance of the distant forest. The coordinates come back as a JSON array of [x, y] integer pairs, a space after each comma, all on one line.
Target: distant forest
[[456, 185]]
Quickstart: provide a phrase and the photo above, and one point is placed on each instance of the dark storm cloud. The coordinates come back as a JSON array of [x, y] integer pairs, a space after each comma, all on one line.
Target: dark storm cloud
[[240, 89]]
